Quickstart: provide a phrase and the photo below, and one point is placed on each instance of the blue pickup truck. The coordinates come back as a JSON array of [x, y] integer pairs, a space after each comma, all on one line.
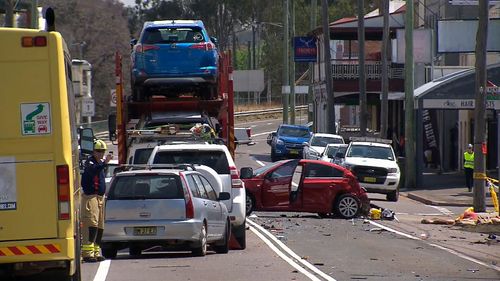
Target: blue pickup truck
[[287, 141]]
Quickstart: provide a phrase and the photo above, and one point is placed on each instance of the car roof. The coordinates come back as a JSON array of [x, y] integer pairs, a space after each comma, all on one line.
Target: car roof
[[160, 23], [370, 143], [295, 126], [151, 171], [327, 135], [197, 146], [337, 145]]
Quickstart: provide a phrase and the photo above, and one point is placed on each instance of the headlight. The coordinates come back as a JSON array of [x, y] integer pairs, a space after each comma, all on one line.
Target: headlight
[[392, 170], [280, 142]]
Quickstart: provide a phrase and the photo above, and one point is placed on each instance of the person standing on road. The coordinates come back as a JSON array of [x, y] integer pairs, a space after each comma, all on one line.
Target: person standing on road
[[94, 188], [469, 166]]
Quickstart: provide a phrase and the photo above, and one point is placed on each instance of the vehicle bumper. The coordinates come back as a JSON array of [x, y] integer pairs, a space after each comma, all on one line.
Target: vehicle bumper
[[390, 184], [282, 151], [123, 231], [207, 76], [238, 210]]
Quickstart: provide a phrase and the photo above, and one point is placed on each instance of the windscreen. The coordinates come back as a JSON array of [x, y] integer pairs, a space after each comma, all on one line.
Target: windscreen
[[294, 132], [214, 159], [367, 151], [146, 187], [323, 141], [168, 35]]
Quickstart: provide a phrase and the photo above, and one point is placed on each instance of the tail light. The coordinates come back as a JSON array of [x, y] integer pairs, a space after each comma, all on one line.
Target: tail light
[[63, 191], [37, 41], [140, 48], [249, 132], [207, 46], [235, 178], [187, 199]]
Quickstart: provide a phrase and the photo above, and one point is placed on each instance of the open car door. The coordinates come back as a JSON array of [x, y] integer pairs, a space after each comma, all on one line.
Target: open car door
[[277, 186]]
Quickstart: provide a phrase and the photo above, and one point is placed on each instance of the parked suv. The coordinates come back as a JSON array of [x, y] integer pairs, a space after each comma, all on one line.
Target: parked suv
[[174, 208], [174, 55], [288, 141], [217, 157], [315, 147], [373, 162]]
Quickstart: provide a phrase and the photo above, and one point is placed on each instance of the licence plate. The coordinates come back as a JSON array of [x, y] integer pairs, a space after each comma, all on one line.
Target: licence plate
[[294, 151], [370, 179], [141, 231]]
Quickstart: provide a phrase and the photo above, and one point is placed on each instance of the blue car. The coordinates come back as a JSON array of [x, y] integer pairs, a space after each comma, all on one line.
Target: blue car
[[173, 57], [288, 141]]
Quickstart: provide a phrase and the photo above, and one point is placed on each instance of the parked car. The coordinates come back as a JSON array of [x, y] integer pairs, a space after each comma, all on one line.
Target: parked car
[[288, 141], [374, 163], [173, 208], [174, 55], [304, 186], [334, 153], [110, 171], [316, 145], [217, 157]]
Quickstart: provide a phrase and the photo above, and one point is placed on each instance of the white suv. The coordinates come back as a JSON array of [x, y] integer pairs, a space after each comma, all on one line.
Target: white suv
[[217, 157], [374, 163], [317, 144]]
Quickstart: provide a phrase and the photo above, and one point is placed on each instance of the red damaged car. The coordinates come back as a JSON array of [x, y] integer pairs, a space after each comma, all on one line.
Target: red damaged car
[[303, 185]]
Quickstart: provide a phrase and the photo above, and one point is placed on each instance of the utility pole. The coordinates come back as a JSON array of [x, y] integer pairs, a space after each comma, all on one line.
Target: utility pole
[[234, 50], [310, 94], [410, 173], [330, 96], [363, 111], [480, 108], [385, 80], [253, 39], [292, 65], [286, 49]]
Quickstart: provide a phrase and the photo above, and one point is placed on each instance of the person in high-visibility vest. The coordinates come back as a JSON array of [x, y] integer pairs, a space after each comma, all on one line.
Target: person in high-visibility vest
[[94, 188], [469, 166]]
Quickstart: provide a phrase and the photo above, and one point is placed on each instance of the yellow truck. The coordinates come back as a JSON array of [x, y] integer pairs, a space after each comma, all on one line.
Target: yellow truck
[[39, 173]]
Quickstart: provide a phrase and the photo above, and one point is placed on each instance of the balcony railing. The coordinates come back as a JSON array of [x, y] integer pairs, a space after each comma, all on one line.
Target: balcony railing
[[349, 70]]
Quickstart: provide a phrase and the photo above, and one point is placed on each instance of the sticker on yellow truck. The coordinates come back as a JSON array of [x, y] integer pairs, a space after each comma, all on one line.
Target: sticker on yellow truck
[[35, 118], [30, 250], [8, 191]]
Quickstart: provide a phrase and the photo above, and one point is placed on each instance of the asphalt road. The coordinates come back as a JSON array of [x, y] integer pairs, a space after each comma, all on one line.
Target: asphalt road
[[292, 246]]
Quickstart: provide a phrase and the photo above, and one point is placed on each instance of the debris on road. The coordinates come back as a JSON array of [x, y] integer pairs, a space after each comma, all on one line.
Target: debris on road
[[438, 221]]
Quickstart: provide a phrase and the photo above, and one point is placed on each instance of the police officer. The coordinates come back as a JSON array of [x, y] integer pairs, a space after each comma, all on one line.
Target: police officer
[[94, 188], [469, 166]]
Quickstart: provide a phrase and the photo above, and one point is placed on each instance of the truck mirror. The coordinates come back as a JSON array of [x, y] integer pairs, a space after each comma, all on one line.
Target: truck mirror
[[270, 137], [214, 40], [112, 127], [133, 42], [86, 141]]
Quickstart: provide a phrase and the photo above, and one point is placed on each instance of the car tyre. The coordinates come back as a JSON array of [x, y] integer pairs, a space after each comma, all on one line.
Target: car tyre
[[134, 251], [250, 203], [273, 156], [347, 206], [393, 196], [109, 251], [201, 249], [239, 233], [224, 247]]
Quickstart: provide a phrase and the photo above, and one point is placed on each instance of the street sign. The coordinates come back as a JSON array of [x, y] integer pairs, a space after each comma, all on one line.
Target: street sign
[[112, 98], [88, 107]]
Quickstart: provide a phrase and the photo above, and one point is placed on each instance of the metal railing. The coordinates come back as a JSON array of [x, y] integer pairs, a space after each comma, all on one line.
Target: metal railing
[[349, 69]]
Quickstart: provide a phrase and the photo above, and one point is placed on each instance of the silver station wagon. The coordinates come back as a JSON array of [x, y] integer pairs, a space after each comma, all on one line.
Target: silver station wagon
[[177, 209]]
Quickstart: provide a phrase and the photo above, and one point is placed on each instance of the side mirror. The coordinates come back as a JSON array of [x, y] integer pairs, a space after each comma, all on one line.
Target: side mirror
[[133, 42], [246, 173], [112, 127], [270, 137], [86, 141], [214, 40], [224, 196]]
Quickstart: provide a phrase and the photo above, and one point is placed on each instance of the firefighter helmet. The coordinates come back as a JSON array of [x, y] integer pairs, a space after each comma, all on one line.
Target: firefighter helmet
[[100, 145]]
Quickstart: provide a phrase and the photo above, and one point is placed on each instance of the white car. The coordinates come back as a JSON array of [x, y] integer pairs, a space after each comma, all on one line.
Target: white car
[[217, 157], [374, 163], [317, 144], [331, 152], [110, 171]]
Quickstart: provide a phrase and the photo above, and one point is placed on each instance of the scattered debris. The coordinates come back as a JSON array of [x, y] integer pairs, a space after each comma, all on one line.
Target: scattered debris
[[473, 270], [438, 221], [377, 229], [319, 263], [327, 234]]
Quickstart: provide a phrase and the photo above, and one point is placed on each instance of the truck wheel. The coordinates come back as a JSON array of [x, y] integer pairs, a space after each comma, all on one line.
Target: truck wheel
[[273, 156], [239, 233], [224, 247], [134, 251], [393, 196]]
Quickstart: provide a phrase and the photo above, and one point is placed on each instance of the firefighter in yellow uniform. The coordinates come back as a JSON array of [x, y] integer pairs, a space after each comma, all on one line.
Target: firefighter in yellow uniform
[[94, 188], [469, 166]]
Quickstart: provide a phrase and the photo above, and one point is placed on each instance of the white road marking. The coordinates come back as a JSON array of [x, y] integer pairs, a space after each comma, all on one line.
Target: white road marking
[[102, 271], [261, 134], [260, 163], [497, 268], [311, 267], [442, 210]]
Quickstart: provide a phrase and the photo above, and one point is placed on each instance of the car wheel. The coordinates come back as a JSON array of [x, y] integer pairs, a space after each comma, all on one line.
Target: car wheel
[[250, 203], [134, 251], [224, 247], [201, 250], [239, 233], [393, 196], [273, 156], [109, 251], [347, 206]]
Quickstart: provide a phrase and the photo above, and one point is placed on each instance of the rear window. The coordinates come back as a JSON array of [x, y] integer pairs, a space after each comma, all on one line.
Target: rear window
[[216, 160], [141, 155], [167, 35], [146, 187]]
